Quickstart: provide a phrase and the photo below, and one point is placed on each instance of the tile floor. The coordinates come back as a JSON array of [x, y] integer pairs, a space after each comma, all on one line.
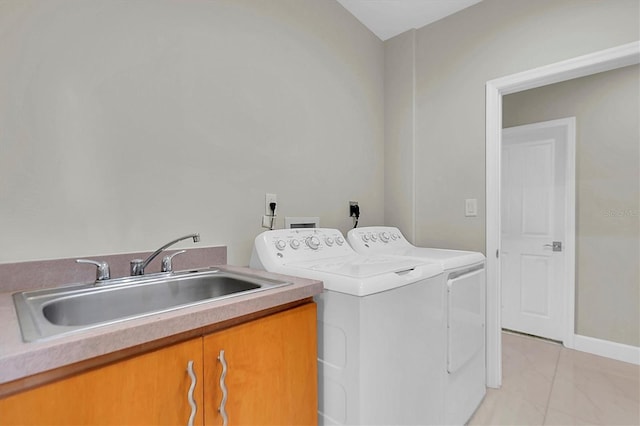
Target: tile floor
[[544, 383]]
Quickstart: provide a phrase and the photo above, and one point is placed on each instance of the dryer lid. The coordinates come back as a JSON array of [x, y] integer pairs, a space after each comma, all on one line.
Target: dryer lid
[[449, 259]]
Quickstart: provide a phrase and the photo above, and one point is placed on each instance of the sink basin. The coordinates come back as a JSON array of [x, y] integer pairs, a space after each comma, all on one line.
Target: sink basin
[[111, 304], [58, 311]]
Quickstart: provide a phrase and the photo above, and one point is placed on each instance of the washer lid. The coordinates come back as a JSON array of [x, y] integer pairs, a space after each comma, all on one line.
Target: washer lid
[[363, 275], [357, 266]]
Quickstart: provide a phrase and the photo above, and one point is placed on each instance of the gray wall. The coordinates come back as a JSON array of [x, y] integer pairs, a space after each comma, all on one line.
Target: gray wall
[[454, 58], [399, 155], [125, 124], [607, 111]]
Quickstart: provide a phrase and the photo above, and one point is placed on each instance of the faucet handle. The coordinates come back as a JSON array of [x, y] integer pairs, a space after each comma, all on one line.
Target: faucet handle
[[166, 261], [102, 273]]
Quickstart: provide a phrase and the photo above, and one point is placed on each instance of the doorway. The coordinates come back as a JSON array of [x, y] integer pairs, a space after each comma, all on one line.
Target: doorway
[[538, 216], [605, 60]]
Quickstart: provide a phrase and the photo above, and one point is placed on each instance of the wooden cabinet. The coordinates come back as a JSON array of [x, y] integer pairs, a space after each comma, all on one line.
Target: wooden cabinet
[[271, 378], [147, 389], [271, 371]]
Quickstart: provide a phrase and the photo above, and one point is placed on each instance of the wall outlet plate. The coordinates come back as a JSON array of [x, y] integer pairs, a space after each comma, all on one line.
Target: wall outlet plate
[[268, 199], [266, 221]]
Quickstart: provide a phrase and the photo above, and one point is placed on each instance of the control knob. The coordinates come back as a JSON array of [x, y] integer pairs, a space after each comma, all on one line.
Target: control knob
[[295, 244], [313, 242], [384, 237], [329, 241], [374, 237], [365, 238], [281, 245], [340, 241]]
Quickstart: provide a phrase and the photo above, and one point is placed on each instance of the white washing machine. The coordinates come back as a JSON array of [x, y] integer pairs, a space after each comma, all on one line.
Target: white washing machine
[[464, 283], [380, 327]]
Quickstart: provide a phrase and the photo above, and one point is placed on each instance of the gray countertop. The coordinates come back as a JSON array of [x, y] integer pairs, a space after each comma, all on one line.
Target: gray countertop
[[19, 359]]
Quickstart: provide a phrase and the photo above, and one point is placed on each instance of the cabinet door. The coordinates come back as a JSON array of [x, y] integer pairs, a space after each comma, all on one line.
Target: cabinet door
[[146, 389], [271, 376]]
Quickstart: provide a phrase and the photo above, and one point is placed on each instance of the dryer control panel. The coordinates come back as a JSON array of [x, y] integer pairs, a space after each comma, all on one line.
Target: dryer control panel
[[376, 238]]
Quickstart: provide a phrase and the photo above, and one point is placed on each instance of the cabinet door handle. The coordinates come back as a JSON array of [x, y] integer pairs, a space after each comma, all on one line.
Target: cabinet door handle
[[223, 387], [192, 402]]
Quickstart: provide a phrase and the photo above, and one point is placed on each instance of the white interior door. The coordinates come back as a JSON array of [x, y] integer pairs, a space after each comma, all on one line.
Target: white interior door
[[534, 175]]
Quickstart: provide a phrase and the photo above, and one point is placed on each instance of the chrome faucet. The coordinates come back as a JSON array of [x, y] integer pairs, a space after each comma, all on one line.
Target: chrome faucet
[[167, 265], [137, 265], [102, 273]]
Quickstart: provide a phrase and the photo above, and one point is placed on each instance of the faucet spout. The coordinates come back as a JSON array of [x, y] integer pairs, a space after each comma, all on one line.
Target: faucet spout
[[138, 265]]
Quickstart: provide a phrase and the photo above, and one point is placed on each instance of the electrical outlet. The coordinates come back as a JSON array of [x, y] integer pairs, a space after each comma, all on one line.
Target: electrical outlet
[[354, 210], [268, 199], [266, 221]]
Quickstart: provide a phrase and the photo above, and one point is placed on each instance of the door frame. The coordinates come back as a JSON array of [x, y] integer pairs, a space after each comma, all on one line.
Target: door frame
[[569, 241], [593, 63]]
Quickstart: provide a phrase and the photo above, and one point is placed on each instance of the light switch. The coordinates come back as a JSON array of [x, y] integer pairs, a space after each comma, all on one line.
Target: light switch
[[471, 207]]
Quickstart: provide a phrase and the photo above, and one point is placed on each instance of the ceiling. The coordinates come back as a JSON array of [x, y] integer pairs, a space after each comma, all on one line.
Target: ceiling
[[388, 18]]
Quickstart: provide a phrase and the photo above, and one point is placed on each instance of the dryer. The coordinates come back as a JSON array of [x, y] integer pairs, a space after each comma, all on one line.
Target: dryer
[[463, 284], [380, 327]]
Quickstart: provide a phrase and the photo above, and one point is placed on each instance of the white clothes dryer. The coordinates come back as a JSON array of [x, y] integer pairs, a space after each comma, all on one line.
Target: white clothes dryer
[[464, 282], [379, 327]]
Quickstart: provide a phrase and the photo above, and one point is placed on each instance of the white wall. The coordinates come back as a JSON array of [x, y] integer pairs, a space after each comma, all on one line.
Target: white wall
[[607, 111], [125, 124], [454, 58]]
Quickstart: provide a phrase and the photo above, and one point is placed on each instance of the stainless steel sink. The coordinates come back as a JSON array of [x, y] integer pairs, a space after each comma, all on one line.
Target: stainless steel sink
[[54, 312]]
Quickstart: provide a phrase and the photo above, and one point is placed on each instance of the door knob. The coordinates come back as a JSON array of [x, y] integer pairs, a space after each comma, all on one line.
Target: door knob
[[556, 246]]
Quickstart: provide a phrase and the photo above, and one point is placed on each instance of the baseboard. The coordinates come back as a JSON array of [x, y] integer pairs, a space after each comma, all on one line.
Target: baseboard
[[605, 348]]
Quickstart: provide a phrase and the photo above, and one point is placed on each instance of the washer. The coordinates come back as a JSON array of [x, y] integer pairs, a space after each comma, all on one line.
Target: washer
[[464, 284], [380, 327]]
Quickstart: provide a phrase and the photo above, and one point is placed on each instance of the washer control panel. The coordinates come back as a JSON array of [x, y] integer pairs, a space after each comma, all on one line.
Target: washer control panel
[[287, 245], [373, 238]]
